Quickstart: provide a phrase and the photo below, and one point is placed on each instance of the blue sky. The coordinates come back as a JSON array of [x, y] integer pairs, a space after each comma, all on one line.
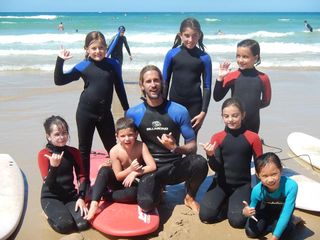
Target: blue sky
[[160, 6]]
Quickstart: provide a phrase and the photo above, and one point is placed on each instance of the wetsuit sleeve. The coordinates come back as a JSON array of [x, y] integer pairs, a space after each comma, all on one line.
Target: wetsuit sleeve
[[126, 45], [219, 92], [167, 72], [256, 195], [119, 87], [215, 162], [266, 93], [79, 172], [61, 78], [291, 190], [207, 82], [48, 173]]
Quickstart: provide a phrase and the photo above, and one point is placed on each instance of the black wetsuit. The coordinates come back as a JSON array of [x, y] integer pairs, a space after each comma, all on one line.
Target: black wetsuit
[[117, 50], [172, 168], [232, 183], [107, 185], [252, 88], [94, 108], [186, 67], [58, 193]]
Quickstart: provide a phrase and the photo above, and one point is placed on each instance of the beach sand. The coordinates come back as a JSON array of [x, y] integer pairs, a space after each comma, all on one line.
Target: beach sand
[[27, 98]]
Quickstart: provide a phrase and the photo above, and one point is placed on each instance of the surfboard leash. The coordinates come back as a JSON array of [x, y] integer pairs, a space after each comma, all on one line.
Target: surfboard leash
[[269, 146], [302, 155]]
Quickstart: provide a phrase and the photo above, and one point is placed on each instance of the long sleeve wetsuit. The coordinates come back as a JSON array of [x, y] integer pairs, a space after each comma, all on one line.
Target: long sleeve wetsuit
[[58, 193], [117, 52], [232, 184], [252, 88], [273, 208], [94, 108], [186, 67]]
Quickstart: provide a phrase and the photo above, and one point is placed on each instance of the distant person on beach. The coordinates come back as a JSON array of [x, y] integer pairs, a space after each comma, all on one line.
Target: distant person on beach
[[117, 50], [187, 72], [61, 202], [100, 76], [60, 27], [160, 123], [249, 85], [272, 201], [130, 160], [308, 26], [229, 153]]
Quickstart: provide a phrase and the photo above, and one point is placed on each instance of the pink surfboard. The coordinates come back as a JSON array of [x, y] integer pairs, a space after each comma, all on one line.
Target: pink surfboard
[[119, 219]]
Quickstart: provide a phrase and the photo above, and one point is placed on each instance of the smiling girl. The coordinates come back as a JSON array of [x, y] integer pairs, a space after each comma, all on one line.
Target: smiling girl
[[229, 154], [188, 69], [249, 85], [272, 200], [100, 76]]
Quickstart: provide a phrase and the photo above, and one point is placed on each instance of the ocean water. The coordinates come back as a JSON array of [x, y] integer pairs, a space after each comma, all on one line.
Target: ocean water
[[31, 41]]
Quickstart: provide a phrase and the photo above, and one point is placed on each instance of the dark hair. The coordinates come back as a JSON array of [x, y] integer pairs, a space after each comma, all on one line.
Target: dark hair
[[233, 102], [124, 123], [94, 36], [55, 120], [254, 48], [265, 159], [193, 24], [150, 68], [121, 29]]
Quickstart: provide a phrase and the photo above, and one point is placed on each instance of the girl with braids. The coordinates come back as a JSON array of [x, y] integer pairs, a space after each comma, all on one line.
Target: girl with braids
[[100, 75], [185, 66]]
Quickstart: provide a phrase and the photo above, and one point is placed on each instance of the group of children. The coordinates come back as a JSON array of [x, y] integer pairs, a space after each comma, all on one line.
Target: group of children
[[187, 73]]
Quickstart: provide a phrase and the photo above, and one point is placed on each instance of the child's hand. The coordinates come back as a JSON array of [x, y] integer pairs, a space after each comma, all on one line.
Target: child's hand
[[223, 70], [80, 204], [64, 53], [55, 159], [248, 211], [168, 141], [129, 179], [135, 165], [209, 148]]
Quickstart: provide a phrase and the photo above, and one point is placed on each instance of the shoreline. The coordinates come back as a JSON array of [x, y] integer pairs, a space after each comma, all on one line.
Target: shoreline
[[29, 97]]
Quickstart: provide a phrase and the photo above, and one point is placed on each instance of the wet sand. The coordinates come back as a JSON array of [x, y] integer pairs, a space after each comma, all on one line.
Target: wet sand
[[27, 98]]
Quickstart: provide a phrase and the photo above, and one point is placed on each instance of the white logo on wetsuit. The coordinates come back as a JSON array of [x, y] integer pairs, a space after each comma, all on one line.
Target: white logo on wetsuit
[[156, 125]]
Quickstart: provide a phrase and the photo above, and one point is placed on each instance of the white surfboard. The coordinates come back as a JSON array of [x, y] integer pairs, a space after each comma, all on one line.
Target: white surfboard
[[308, 189], [306, 147], [11, 195]]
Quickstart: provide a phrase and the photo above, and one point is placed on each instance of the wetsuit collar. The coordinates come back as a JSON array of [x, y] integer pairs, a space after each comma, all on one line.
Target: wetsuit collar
[[249, 72], [55, 149], [235, 132]]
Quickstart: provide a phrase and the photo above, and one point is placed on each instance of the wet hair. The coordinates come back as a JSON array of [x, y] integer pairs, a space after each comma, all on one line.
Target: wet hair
[[193, 24], [265, 159], [254, 48], [150, 68], [94, 36], [121, 29], [55, 120], [124, 123], [233, 102]]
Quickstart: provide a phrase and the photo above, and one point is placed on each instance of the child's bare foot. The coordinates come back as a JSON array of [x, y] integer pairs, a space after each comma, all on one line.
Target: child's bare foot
[[92, 210], [297, 220], [192, 203]]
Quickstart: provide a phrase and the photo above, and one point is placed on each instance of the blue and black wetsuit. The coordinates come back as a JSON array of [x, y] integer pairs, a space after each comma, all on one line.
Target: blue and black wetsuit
[[252, 88], [172, 168], [117, 50], [187, 66], [273, 208], [58, 193], [232, 183], [94, 108]]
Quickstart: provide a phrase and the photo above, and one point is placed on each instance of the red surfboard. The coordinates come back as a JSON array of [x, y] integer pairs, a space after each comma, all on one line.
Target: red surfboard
[[120, 219]]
